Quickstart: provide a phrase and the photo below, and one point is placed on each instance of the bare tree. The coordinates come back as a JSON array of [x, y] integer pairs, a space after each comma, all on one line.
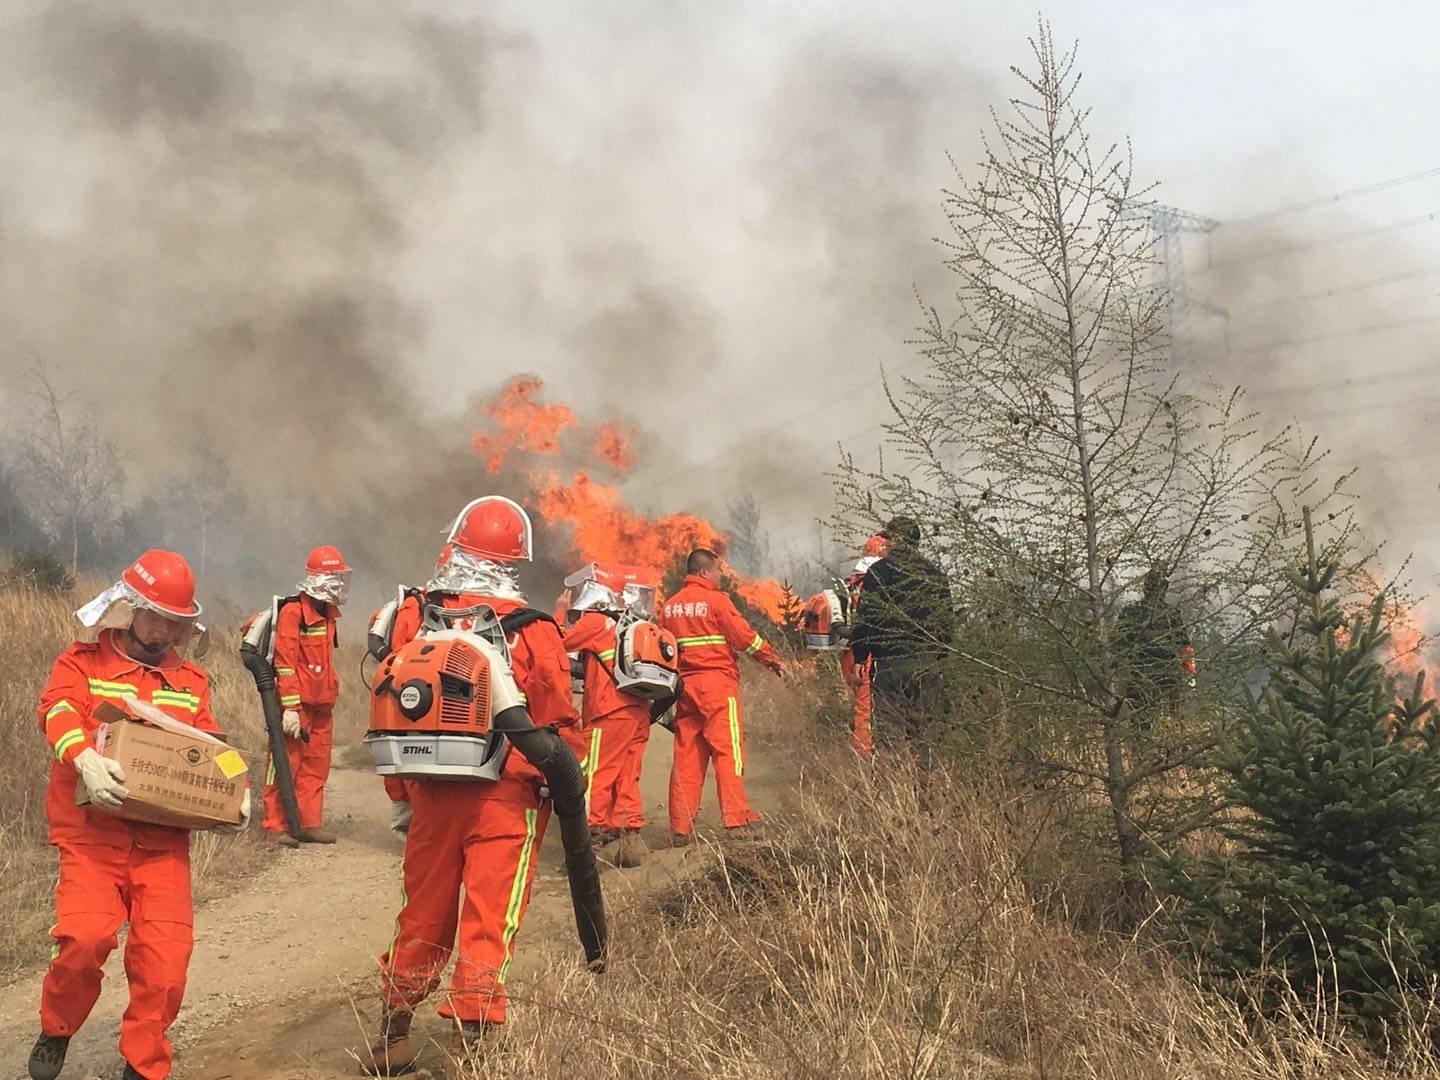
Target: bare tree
[[72, 476], [749, 542], [1054, 462]]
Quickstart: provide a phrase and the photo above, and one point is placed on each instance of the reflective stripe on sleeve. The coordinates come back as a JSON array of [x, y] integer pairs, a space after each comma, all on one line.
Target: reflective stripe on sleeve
[[59, 707], [73, 737], [755, 646]]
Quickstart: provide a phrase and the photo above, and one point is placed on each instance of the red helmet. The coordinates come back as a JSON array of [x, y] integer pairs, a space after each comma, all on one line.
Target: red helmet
[[876, 545], [326, 559], [493, 527], [164, 581]]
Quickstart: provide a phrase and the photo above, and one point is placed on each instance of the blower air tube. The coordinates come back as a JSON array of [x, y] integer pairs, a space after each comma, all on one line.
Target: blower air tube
[[264, 676], [547, 751]]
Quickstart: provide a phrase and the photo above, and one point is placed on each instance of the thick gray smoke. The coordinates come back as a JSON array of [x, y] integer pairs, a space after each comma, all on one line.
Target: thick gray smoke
[[287, 251], [297, 245], [1328, 320]]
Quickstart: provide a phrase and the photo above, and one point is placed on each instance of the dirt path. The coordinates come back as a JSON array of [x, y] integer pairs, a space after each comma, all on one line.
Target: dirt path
[[282, 978]]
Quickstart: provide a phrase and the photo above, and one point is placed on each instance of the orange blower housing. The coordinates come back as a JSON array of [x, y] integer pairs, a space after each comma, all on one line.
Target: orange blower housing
[[647, 661], [431, 706], [822, 621]]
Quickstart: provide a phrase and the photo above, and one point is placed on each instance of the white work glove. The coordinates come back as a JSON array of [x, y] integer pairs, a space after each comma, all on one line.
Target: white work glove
[[244, 822], [102, 779], [400, 812], [290, 723]]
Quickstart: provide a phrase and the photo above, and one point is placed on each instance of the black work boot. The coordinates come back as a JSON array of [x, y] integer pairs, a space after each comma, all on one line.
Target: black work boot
[[47, 1057], [130, 1073]]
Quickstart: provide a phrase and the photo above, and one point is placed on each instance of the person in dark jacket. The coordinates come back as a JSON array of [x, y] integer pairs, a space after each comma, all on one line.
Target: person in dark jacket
[[1155, 650], [904, 626]]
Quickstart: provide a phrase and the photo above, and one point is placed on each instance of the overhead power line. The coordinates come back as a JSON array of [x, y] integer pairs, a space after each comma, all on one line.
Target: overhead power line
[[1352, 332], [1310, 245], [1340, 290], [1337, 197]]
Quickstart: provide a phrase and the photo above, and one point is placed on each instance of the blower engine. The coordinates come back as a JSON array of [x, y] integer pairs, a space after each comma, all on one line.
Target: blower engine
[[433, 703], [646, 661], [823, 620]]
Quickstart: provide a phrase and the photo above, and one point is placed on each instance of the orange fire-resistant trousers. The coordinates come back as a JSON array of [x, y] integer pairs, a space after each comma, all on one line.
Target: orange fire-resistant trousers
[[617, 746], [708, 727], [629, 806], [99, 888], [487, 846], [860, 740], [309, 765]]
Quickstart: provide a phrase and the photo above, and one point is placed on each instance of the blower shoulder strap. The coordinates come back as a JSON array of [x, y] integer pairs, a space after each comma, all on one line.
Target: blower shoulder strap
[[522, 617]]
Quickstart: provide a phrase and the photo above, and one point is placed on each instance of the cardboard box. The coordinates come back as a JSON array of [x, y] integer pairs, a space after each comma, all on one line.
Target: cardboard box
[[177, 775]]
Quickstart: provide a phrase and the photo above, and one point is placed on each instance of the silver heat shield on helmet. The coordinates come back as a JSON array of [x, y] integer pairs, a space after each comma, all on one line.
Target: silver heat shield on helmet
[[114, 609], [591, 595], [463, 572], [328, 588], [640, 600]]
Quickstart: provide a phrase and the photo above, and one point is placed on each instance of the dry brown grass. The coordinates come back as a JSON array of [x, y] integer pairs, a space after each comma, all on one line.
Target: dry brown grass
[[899, 925], [888, 925]]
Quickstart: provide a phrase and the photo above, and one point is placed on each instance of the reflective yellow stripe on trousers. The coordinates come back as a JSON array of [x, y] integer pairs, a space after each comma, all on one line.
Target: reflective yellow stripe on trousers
[[737, 751], [517, 892], [592, 762]]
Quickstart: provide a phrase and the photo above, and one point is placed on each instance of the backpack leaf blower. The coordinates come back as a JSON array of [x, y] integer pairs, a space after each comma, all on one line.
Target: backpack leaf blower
[[445, 707]]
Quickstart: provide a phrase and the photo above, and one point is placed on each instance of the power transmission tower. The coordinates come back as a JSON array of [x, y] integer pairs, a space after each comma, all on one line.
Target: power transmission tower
[[1170, 225]]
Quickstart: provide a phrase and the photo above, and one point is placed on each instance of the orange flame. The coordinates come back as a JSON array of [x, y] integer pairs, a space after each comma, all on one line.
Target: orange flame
[[613, 445], [1408, 645], [524, 423], [763, 594], [603, 527]]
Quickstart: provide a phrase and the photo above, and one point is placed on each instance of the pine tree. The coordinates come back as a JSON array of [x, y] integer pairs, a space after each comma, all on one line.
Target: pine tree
[[1331, 880]]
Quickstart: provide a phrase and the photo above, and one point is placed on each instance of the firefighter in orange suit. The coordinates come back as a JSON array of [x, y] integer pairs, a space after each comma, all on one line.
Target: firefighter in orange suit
[[306, 681], [618, 723], [111, 869], [708, 724], [858, 677], [471, 846]]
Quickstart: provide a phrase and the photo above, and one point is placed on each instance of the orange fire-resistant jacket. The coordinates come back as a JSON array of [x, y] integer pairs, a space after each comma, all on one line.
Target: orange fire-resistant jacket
[[84, 675], [710, 631], [305, 640]]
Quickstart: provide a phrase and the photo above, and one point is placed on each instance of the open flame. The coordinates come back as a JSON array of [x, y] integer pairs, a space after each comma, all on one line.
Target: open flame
[[1408, 646], [614, 446], [603, 526], [524, 423]]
